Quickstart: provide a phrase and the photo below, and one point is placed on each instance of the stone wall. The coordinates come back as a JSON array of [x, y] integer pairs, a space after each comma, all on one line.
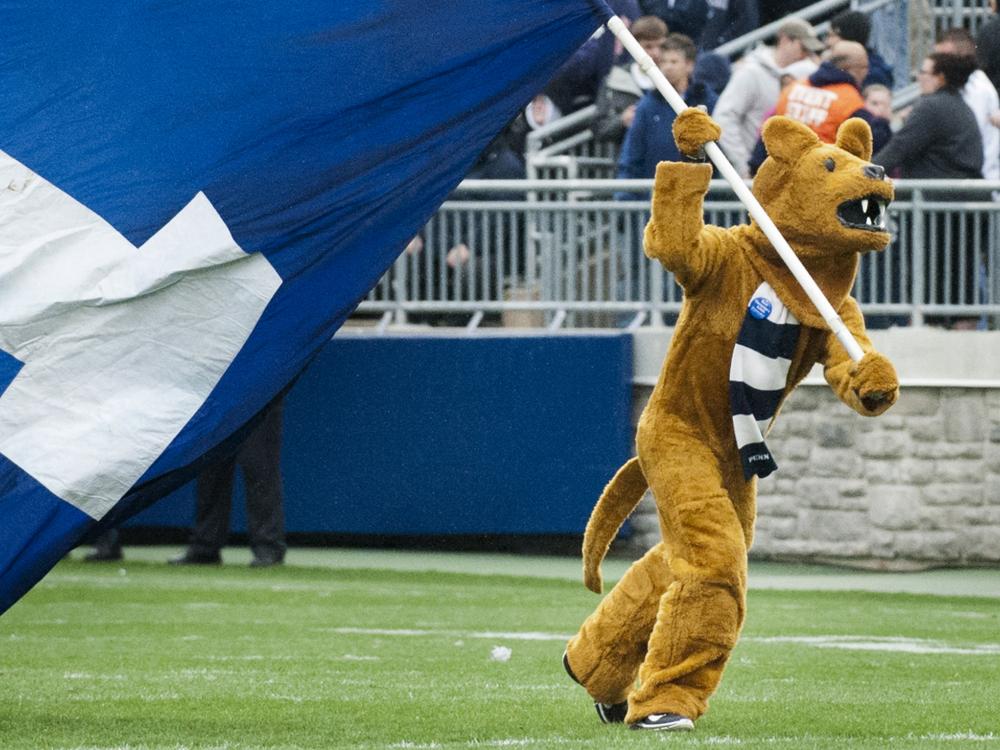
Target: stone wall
[[916, 487]]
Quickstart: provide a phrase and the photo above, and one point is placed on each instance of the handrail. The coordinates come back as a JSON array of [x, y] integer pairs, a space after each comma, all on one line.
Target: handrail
[[576, 139], [747, 41], [568, 122], [904, 97], [578, 252], [769, 30]]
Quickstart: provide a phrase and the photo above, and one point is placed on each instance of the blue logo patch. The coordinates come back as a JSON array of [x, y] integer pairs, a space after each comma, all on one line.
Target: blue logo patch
[[760, 307]]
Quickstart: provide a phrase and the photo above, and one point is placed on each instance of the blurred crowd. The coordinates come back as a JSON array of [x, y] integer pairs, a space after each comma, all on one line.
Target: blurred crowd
[[818, 81], [951, 131]]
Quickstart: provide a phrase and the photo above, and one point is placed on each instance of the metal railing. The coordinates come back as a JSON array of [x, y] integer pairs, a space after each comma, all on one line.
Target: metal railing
[[743, 44], [949, 14], [566, 149], [568, 253], [945, 14]]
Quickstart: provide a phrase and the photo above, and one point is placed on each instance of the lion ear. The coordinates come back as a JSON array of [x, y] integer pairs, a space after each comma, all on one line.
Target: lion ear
[[786, 139], [855, 136]]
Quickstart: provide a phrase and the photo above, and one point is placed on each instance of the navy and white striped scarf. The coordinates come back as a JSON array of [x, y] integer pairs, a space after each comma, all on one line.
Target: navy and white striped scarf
[[758, 375]]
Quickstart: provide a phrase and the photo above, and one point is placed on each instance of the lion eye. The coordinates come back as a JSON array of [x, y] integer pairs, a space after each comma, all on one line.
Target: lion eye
[[830, 165]]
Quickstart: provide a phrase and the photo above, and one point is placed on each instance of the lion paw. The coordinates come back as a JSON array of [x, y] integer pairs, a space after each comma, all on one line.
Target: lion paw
[[874, 382], [693, 128]]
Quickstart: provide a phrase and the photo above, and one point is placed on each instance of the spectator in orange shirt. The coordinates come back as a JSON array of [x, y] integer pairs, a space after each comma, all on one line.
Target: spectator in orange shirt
[[828, 97]]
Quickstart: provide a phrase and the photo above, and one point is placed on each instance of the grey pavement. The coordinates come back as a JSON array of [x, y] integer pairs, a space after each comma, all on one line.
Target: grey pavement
[[983, 582]]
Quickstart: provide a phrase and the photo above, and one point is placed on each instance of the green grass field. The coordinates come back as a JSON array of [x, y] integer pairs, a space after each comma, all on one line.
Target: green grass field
[[145, 656]]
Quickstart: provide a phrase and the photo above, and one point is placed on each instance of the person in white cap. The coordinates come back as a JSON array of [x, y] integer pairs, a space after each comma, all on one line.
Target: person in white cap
[[753, 89]]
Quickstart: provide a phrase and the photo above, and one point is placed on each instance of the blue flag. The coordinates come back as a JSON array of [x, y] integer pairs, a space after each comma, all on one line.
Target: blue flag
[[193, 198]]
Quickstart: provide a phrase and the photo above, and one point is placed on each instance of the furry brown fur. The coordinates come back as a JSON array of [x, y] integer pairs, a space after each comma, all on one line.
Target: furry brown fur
[[675, 616]]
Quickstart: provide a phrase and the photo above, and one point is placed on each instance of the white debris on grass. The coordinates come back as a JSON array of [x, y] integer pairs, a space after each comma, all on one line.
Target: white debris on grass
[[500, 653]]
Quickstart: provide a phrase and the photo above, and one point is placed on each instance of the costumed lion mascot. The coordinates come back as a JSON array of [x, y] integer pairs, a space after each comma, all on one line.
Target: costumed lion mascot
[[747, 334]]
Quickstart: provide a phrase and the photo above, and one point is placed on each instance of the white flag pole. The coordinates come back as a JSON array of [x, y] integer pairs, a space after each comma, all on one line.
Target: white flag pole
[[713, 151]]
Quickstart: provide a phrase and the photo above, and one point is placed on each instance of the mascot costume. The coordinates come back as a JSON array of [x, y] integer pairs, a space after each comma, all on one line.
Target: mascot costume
[[747, 334]]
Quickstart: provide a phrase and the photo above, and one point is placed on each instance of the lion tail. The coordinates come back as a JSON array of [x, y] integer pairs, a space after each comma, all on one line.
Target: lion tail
[[616, 503]]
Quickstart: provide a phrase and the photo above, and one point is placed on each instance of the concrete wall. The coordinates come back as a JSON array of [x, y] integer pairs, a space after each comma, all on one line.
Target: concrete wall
[[918, 486]]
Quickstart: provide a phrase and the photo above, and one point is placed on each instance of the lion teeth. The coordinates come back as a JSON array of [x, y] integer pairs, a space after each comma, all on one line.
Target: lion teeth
[[864, 205]]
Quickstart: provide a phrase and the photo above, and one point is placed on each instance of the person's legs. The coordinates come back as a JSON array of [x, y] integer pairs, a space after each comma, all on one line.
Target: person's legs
[[633, 283], [107, 547], [605, 654], [706, 521], [260, 460], [964, 246], [214, 498]]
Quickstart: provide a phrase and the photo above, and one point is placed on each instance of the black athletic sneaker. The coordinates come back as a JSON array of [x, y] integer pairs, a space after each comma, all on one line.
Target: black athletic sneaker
[[665, 723], [609, 713], [104, 555], [196, 558], [612, 713], [568, 670]]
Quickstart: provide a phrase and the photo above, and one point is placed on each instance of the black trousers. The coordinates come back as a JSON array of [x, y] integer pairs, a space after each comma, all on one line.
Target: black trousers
[[259, 458]]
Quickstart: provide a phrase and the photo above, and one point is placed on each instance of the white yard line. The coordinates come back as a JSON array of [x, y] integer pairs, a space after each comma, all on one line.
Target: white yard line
[[845, 642], [485, 635], [878, 643]]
